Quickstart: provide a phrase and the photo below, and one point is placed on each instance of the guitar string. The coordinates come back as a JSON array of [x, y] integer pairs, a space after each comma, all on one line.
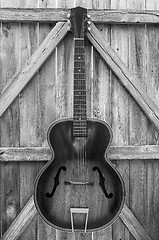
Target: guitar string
[[81, 112]]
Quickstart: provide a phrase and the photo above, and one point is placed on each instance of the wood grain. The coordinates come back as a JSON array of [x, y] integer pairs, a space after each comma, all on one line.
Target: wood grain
[[134, 225], [127, 79], [107, 16], [119, 101], [138, 121], [9, 124], [47, 107], [35, 15], [21, 222], [28, 116], [32, 66]]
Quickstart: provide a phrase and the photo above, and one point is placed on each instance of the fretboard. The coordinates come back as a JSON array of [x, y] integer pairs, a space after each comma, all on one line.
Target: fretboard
[[79, 117]]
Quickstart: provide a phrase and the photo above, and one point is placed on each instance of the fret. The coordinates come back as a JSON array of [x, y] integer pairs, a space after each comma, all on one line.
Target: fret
[[79, 97], [76, 124], [81, 116], [79, 77], [79, 51], [80, 120], [79, 43], [80, 129], [79, 133], [78, 103], [80, 70], [83, 124], [80, 91], [79, 64], [79, 57], [79, 88], [80, 113]]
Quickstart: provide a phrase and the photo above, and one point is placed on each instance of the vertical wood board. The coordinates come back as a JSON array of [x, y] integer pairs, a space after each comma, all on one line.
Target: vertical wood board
[[9, 124]]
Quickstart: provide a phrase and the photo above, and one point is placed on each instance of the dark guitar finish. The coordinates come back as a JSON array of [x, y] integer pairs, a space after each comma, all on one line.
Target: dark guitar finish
[[55, 210], [79, 179]]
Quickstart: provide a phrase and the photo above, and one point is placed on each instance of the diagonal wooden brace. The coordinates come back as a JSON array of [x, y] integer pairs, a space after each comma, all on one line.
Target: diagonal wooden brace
[[33, 64], [122, 72]]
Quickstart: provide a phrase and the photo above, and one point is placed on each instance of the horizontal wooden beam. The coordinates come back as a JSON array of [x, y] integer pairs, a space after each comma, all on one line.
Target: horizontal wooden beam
[[146, 152], [29, 212], [21, 222], [30, 15], [124, 16], [28, 154], [98, 16], [32, 65], [124, 75], [134, 226]]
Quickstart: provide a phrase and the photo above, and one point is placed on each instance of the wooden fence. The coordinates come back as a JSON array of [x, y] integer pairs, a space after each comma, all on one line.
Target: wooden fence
[[36, 80]]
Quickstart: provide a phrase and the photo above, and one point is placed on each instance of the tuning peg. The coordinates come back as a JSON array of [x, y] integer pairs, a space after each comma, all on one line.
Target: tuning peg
[[69, 25], [88, 15], [68, 15], [89, 23]]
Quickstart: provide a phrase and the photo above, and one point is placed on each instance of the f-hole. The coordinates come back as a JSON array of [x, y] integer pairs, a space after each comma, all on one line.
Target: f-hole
[[56, 182], [102, 182]]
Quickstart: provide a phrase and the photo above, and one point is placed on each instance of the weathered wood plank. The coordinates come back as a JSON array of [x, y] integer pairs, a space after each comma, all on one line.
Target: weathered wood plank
[[32, 65], [119, 16], [42, 154], [29, 106], [134, 226], [124, 75], [21, 222], [29, 211], [119, 104], [9, 123], [61, 14], [152, 167], [47, 107], [99, 79], [138, 123], [30, 15], [145, 152]]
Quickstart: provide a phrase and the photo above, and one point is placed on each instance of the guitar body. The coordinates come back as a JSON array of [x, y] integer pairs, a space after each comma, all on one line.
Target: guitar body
[[79, 176]]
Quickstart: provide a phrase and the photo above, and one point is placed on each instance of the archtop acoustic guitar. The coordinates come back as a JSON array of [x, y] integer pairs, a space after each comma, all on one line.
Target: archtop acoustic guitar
[[79, 188]]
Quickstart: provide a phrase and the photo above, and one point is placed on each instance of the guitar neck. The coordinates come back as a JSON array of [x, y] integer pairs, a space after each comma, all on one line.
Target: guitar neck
[[79, 116]]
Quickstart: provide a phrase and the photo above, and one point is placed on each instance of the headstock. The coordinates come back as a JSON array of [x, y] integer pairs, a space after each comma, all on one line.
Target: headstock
[[78, 21]]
